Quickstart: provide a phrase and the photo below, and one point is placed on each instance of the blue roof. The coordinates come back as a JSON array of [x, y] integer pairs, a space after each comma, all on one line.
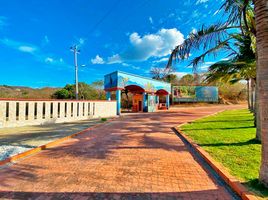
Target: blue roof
[[120, 80]]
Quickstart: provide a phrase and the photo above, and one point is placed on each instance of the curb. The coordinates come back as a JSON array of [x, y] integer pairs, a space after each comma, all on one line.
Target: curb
[[230, 180], [50, 144]]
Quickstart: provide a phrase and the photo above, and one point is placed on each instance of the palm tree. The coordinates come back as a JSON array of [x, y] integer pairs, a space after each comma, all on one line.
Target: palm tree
[[241, 67], [261, 12], [231, 72], [221, 37]]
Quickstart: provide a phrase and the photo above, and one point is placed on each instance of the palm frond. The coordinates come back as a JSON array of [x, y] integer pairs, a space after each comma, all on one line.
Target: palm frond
[[231, 71], [234, 10], [205, 38], [201, 58]]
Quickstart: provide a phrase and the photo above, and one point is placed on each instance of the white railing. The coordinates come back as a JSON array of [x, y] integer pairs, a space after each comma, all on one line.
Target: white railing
[[21, 112]]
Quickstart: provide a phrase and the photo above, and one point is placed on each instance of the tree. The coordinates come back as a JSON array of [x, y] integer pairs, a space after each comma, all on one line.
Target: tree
[[241, 67], [172, 79], [261, 11], [187, 80], [61, 94], [99, 85], [221, 37], [164, 74], [159, 73], [86, 91]]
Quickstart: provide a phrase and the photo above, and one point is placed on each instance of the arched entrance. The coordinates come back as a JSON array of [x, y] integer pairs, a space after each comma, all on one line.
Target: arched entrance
[[162, 104], [137, 98], [145, 91]]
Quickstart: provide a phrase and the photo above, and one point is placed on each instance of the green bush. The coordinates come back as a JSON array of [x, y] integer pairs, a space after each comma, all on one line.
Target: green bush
[[103, 119]]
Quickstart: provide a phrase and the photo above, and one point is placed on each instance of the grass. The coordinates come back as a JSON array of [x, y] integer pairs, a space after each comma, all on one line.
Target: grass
[[103, 119], [229, 137]]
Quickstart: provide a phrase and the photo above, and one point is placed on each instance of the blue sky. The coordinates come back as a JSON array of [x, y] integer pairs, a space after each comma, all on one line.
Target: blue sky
[[126, 35]]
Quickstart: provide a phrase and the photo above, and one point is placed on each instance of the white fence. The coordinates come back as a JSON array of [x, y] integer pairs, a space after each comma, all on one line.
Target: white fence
[[15, 113]]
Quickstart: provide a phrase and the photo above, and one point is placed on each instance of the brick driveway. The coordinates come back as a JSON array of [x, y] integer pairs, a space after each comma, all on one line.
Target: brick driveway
[[135, 157]]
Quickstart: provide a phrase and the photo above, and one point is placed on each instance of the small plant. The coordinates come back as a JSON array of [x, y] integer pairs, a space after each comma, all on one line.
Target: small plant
[[103, 119]]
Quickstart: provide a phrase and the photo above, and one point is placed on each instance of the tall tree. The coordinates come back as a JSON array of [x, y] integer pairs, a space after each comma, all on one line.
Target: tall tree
[[221, 37], [241, 67], [261, 12], [187, 80]]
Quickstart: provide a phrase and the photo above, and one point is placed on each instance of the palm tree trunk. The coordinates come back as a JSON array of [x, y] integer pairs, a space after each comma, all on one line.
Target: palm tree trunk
[[261, 12], [252, 95], [248, 95], [257, 116]]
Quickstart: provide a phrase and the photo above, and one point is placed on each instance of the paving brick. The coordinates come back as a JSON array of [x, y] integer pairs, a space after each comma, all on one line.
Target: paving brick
[[134, 157]]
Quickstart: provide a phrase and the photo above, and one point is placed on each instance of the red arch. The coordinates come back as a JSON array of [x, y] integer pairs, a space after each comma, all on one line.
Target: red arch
[[162, 92], [135, 88]]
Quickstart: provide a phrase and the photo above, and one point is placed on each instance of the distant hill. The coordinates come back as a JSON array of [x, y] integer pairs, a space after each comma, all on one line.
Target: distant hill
[[26, 92]]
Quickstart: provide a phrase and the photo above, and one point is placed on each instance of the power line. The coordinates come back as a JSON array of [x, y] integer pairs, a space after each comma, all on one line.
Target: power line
[[104, 16]]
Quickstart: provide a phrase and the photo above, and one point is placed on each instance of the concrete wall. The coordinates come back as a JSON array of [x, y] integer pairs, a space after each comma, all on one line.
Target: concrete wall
[[14, 113]]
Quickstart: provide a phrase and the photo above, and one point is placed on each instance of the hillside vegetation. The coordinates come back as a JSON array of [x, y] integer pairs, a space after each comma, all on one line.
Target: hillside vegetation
[[93, 91], [26, 92]]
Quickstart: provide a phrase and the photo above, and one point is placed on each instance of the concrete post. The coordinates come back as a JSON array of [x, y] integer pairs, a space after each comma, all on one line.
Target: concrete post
[[108, 96], [118, 102], [167, 101], [145, 102]]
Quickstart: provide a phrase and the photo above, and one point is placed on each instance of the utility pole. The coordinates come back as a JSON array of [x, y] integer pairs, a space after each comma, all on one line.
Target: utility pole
[[76, 51]]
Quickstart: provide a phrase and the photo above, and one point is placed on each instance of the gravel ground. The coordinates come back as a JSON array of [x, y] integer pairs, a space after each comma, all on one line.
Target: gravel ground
[[20, 139], [10, 150]]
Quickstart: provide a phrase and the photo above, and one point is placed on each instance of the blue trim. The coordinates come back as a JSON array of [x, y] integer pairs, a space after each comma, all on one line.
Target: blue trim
[[118, 102], [108, 96], [167, 101], [145, 102]]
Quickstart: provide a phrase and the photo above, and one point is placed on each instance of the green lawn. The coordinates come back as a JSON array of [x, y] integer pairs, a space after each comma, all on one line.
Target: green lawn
[[229, 137]]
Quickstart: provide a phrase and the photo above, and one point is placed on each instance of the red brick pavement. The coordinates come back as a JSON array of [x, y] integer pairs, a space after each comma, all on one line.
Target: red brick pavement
[[135, 157]]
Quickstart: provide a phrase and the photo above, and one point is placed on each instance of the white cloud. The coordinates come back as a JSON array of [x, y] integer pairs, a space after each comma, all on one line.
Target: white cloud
[[20, 46], [196, 14], [216, 12], [135, 67], [81, 41], [27, 49], [35, 51], [114, 59], [49, 60], [45, 40], [206, 65], [165, 59], [158, 44], [194, 31], [180, 74], [97, 60], [151, 20], [201, 1]]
